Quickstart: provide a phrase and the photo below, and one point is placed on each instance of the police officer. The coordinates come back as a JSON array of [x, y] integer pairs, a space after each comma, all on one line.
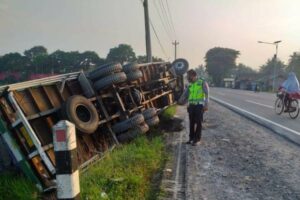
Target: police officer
[[197, 95]]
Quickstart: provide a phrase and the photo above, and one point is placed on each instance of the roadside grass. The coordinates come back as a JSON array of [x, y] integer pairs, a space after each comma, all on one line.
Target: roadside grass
[[13, 186], [168, 113], [132, 171], [127, 172]]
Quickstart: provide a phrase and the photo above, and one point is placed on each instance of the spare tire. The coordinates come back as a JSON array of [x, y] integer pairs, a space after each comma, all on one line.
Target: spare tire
[[105, 70], [181, 66], [80, 111], [109, 80]]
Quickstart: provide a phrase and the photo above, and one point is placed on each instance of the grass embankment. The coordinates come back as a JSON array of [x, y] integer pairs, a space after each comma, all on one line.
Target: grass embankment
[[131, 171], [168, 113], [14, 186], [126, 173]]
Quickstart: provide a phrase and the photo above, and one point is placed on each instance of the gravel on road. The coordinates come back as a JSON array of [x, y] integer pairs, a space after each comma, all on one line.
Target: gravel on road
[[239, 160]]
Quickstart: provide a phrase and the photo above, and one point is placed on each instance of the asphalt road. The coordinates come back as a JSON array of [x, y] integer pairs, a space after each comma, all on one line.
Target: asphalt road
[[261, 104]]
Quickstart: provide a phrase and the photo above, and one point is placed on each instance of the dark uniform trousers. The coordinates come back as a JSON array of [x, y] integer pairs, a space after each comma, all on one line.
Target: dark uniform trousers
[[195, 116]]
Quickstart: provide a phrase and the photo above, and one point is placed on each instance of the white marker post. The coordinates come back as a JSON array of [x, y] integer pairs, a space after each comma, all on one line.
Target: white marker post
[[67, 175]]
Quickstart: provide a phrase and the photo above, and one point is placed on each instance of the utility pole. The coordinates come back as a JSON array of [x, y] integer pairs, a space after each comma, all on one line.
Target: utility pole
[[274, 60], [147, 30], [175, 44]]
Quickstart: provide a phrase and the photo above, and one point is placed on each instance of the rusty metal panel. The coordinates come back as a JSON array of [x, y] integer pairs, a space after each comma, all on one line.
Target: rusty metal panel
[[40, 99], [24, 140], [41, 170], [66, 92], [42, 130], [74, 87], [83, 152], [53, 95], [51, 155], [90, 143], [50, 121], [7, 110], [26, 102]]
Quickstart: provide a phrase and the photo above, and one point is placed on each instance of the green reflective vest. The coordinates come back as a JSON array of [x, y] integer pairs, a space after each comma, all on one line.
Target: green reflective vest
[[196, 93]]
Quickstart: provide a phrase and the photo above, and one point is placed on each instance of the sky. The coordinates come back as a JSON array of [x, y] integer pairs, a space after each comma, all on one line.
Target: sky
[[199, 25]]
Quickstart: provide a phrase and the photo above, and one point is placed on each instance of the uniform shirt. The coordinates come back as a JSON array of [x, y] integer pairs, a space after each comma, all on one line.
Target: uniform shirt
[[184, 97]]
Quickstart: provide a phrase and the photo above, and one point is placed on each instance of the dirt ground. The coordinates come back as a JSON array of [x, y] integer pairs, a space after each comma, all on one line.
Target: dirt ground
[[240, 160]]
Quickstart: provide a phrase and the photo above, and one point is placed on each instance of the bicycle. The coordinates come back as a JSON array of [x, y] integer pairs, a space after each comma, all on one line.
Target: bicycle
[[286, 103]]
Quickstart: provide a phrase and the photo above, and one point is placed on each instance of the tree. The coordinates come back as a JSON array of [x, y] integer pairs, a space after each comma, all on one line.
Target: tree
[[35, 51], [294, 64], [74, 61], [14, 62], [123, 53], [268, 68], [201, 72], [41, 64], [90, 59], [219, 62], [243, 70], [267, 71]]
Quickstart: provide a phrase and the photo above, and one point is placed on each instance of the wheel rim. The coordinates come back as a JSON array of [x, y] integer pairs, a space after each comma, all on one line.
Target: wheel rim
[[278, 106], [295, 109]]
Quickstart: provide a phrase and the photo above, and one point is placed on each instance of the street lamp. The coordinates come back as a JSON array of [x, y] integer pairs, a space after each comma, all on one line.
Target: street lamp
[[275, 60]]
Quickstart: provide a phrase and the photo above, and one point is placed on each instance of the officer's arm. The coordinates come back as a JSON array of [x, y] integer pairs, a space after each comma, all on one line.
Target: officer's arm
[[206, 92]]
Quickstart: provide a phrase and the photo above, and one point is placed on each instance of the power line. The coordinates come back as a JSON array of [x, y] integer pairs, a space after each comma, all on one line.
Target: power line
[[163, 22], [165, 15], [170, 14], [162, 48], [156, 35]]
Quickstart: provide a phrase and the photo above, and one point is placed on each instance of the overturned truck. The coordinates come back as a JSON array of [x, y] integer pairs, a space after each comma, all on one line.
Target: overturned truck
[[109, 105]]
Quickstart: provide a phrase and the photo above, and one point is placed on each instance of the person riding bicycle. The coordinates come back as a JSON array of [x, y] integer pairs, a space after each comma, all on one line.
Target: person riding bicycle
[[289, 86]]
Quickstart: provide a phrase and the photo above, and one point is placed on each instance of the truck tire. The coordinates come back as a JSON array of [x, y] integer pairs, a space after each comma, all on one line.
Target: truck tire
[[131, 134], [134, 75], [128, 123], [181, 66], [149, 113], [142, 128], [153, 121], [105, 70], [109, 80], [130, 67], [137, 96], [80, 111]]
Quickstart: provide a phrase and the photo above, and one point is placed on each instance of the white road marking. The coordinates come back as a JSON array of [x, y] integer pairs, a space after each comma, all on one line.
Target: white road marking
[[254, 115], [219, 93], [178, 167], [249, 94], [259, 104]]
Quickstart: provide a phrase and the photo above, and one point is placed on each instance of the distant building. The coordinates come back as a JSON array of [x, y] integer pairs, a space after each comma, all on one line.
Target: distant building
[[246, 81], [229, 82]]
